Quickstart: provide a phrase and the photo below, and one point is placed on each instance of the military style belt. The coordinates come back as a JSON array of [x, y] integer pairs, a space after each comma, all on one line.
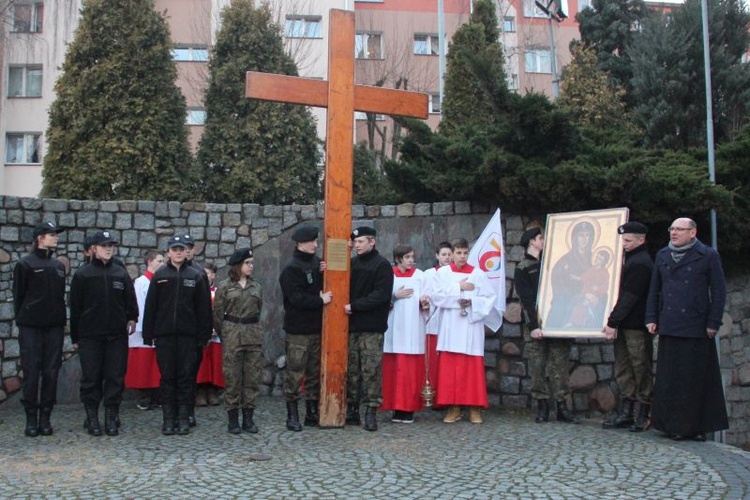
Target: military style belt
[[241, 321]]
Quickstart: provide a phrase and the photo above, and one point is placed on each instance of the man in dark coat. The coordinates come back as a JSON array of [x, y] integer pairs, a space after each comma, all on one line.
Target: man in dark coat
[[39, 303], [301, 283], [370, 295], [685, 307], [634, 346]]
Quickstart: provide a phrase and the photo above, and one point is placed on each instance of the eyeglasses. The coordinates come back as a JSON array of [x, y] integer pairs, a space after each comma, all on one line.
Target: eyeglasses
[[679, 229]]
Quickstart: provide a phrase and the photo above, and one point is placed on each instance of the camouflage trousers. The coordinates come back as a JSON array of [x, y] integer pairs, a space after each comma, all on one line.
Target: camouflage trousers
[[365, 368], [243, 367], [549, 367], [302, 364], [634, 354]]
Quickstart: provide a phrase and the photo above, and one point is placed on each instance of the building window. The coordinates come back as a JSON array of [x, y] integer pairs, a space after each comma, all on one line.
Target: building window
[[509, 24], [530, 9], [23, 148], [302, 27], [25, 81], [435, 107], [27, 17], [196, 53], [512, 82], [196, 116], [426, 45], [583, 4], [361, 115], [538, 61], [369, 46]]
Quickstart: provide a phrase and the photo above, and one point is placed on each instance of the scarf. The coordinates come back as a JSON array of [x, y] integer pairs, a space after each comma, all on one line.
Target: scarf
[[679, 252]]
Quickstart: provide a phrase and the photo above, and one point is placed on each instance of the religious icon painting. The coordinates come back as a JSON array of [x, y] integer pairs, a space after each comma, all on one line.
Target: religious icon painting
[[581, 265]]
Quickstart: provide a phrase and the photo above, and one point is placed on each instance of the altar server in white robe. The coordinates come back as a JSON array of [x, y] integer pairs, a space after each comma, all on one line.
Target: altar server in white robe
[[443, 257], [465, 297]]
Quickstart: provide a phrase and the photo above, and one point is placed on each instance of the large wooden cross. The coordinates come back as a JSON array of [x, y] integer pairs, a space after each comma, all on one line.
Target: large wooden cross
[[342, 97]]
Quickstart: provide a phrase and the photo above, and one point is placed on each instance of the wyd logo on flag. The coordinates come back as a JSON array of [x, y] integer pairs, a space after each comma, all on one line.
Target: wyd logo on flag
[[491, 256]]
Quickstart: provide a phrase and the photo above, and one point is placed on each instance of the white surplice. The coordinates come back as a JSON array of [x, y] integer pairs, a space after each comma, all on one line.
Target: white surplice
[[406, 324]]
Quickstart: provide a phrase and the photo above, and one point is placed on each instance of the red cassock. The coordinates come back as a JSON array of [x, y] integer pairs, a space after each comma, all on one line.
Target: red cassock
[[461, 380], [210, 371], [143, 372]]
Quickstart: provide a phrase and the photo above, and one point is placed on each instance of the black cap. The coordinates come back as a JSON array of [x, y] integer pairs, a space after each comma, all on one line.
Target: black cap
[[87, 242], [239, 256], [363, 231], [47, 228], [177, 241], [633, 228], [188, 240], [305, 233], [102, 237], [529, 235]]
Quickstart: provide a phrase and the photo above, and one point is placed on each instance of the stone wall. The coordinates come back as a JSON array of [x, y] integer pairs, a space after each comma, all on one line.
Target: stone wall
[[221, 228]]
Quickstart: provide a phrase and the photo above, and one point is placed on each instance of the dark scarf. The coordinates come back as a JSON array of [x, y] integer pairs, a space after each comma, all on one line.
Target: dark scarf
[[679, 252]]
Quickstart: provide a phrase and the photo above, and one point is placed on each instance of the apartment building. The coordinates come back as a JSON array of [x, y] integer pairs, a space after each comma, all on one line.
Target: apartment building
[[397, 46]]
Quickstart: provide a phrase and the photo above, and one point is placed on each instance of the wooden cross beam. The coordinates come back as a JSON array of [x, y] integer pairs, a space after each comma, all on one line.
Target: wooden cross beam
[[342, 97]]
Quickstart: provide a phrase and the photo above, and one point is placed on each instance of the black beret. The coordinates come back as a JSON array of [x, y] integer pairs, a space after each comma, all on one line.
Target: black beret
[[47, 228], [102, 237], [529, 235], [363, 231], [239, 256], [305, 233], [633, 228], [177, 241]]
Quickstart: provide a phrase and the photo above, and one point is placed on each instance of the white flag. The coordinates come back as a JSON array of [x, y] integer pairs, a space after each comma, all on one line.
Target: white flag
[[488, 254]]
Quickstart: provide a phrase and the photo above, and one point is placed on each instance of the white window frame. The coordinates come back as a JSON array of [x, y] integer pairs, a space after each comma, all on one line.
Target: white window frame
[[30, 83], [35, 23], [426, 44], [297, 26], [30, 148], [196, 117], [530, 9], [509, 21], [435, 106], [190, 53], [512, 80], [361, 115], [538, 60], [362, 44]]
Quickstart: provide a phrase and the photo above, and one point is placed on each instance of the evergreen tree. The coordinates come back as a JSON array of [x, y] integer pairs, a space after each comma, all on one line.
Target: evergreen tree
[[117, 127], [476, 91], [253, 151]]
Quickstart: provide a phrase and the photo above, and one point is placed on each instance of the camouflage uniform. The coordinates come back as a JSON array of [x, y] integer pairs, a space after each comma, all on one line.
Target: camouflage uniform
[[302, 363], [365, 367], [236, 316]]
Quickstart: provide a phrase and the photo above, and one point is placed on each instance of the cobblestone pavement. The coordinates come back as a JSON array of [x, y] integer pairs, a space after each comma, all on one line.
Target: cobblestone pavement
[[509, 456]]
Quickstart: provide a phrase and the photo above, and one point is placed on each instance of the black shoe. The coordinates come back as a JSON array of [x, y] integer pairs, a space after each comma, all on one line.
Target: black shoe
[[312, 416], [191, 417], [700, 437], [352, 414], [565, 415], [110, 421], [624, 418], [32, 423], [542, 411], [292, 417], [642, 421], [183, 420], [248, 425], [233, 424], [168, 424], [92, 421], [371, 418], [45, 427]]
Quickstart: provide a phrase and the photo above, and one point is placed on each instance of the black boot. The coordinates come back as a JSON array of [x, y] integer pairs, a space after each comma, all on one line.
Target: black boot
[[312, 417], [371, 418], [247, 421], [191, 417], [624, 418], [233, 424], [642, 421], [92, 420], [292, 417], [110, 420], [542, 411], [565, 415], [32, 423], [183, 420], [168, 424], [352, 414]]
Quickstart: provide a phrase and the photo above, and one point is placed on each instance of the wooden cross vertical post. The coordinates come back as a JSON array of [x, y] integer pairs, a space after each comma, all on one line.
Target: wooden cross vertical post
[[342, 97]]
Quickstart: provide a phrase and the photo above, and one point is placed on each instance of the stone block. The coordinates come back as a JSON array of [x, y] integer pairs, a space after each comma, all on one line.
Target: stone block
[[462, 207], [33, 218], [372, 211], [198, 233], [308, 212], [510, 385], [250, 212], [492, 344], [235, 208], [128, 205], [216, 207], [197, 218], [9, 233], [493, 384], [503, 365], [289, 219], [25, 203], [123, 221], [144, 221], [608, 352], [511, 349], [517, 368], [442, 208], [260, 223], [161, 209], [226, 249], [388, 211], [602, 399], [51, 205], [11, 349], [174, 209], [9, 369], [244, 242], [66, 219], [15, 216], [86, 219], [272, 211], [512, 331], [147, 240], [129, 239], [590, 354], [490, 360], [580, 402], [259, 236], [214, 220], [583, 378], [274, 227], [513, 312], [422, 209], [108, 206], [12, 384], [514, 223], [358, 211], [231, 219], [574, 349], [604, 371], [147, 206], [405, 210], [743, 375], [213, 234], [515, 401], [211, 250], [513, 237]]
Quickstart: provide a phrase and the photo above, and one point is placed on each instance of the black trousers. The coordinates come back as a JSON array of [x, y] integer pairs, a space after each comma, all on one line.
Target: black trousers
[[41, 358], [176, 357], [104, 361]]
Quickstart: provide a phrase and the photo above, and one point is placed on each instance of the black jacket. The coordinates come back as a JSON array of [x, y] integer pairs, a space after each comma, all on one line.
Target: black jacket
[[102, 301], [39, 290], [526, 280], [301, 283], [177, 303], [370, 292], [630, 310]]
